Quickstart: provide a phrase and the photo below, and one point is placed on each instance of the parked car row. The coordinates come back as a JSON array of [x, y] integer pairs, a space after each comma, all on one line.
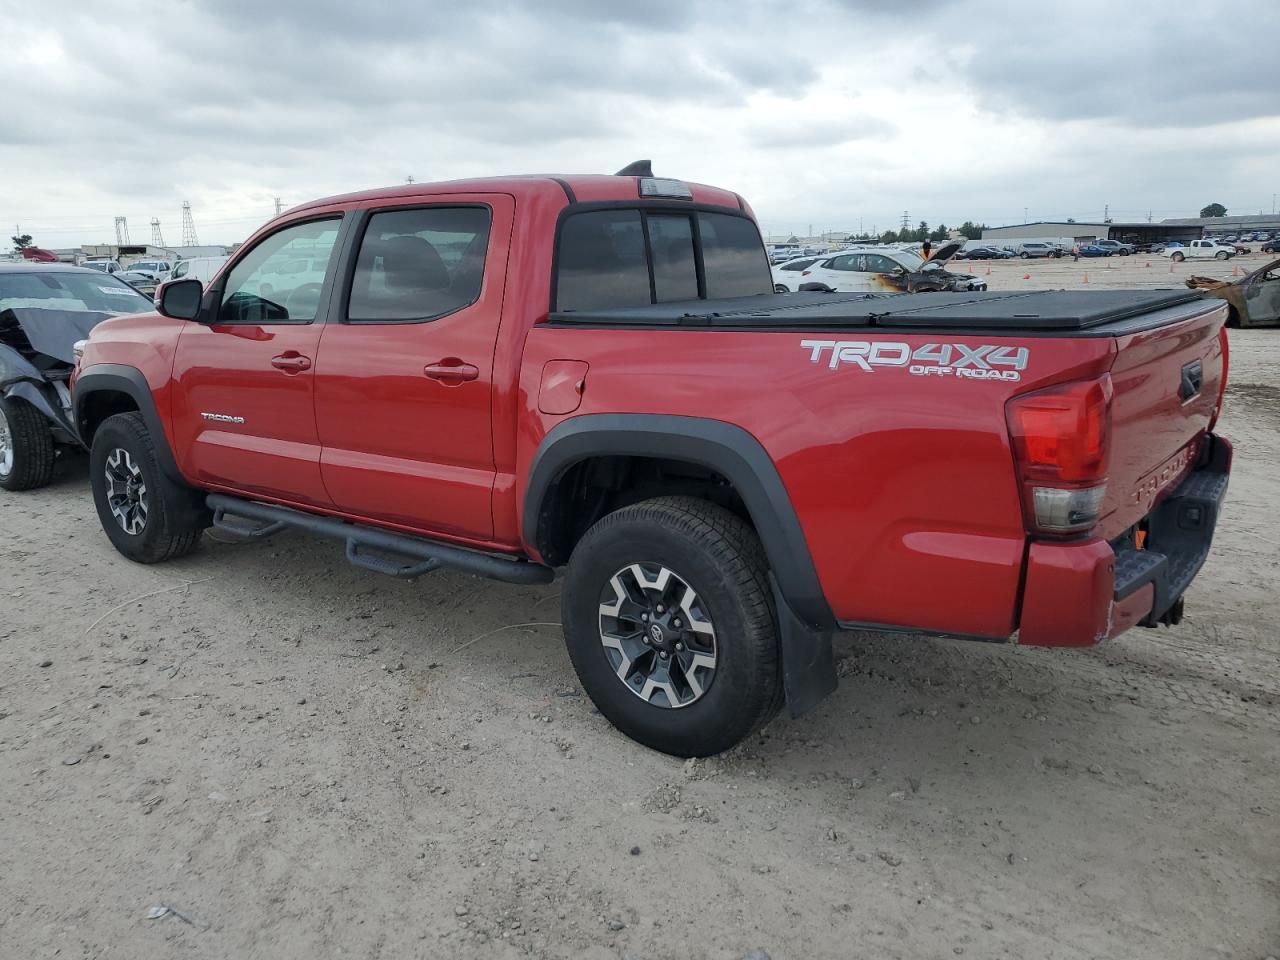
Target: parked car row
[[874, 270]]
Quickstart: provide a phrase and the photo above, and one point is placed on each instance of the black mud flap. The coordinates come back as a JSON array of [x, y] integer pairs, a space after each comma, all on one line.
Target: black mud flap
[[808, 662]]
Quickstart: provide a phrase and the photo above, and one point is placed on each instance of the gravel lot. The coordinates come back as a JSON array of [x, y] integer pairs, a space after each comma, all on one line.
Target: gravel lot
[[305, 760]]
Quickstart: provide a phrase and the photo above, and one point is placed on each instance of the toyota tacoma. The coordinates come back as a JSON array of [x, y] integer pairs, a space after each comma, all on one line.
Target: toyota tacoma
[[592, 374]]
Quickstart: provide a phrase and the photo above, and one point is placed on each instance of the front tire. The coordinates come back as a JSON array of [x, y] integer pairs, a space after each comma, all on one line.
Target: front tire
[[27, 455], [1222, 255], [668, 619], [1178, 258], [1025, 255], [144, 514], [779, 288]]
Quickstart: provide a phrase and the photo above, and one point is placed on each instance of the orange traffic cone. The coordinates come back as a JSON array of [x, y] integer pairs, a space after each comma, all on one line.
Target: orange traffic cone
[[971, 269], [1235, 271], [1086, 277], [1026, 276], [988, 270]]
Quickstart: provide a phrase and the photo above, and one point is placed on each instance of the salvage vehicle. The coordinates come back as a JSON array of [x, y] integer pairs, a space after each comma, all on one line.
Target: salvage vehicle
[[1115, 247], [1199, 250], [591, 374], [1034, 248], [1254, 298], [786, 276], [145, 283], [887, 270], [984, 253], [44, 310]]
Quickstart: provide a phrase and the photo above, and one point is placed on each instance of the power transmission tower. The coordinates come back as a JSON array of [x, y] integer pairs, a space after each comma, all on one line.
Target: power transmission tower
[[122, 231], [157, 239], [279, 206], [189, 238], [906, 221]]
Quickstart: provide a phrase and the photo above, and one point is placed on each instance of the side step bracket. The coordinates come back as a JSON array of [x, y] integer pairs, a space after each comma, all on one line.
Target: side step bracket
[[419, 555]]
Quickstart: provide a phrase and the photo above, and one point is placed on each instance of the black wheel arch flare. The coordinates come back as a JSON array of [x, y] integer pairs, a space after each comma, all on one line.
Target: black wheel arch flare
[[723, 447]]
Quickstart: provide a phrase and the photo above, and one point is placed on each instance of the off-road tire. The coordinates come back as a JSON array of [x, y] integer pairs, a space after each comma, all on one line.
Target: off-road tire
[[164, 534], [720, 557], [32, 445]]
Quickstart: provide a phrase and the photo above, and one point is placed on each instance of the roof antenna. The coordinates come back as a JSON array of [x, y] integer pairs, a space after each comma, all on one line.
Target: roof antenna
[[640, 168]]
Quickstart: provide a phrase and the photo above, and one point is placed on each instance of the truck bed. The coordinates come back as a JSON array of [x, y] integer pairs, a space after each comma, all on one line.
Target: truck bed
[[1051, 312]]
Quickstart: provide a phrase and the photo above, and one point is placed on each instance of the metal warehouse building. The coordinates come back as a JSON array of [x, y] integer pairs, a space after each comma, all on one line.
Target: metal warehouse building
[[1189, 228], [1142, 232]]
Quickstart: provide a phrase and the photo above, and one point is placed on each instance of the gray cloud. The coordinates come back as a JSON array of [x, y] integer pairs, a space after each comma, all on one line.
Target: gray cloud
[[230, 104]]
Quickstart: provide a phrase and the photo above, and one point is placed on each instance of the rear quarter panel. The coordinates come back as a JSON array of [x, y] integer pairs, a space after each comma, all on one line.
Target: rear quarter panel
[[904, 484]]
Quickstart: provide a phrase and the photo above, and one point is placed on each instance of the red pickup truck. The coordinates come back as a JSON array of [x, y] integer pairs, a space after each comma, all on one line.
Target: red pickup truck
[[510, 376]]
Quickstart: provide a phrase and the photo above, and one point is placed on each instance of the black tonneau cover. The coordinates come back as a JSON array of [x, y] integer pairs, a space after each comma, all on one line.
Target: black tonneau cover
[[1026, 311]]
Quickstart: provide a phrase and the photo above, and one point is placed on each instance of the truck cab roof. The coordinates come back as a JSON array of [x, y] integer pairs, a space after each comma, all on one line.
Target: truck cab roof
[[576, 188]]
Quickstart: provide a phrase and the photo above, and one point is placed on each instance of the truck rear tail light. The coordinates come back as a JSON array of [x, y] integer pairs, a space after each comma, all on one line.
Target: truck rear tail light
[[1061, 441]]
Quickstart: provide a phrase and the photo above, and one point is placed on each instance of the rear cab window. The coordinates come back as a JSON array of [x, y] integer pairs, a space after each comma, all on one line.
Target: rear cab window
[[635, 256]]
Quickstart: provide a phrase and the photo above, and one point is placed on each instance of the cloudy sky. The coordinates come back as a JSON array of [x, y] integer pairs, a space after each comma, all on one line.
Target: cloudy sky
[[835, 114]]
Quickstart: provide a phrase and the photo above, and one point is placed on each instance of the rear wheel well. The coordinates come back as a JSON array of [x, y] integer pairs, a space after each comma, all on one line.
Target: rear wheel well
[[97, 407], [595, 487]]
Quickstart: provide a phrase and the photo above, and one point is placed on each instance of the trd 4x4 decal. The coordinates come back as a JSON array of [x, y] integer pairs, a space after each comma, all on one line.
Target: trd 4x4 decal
[[986, 362]]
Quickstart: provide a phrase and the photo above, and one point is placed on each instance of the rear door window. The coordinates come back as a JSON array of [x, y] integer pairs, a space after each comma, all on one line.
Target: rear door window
[[419, 264]]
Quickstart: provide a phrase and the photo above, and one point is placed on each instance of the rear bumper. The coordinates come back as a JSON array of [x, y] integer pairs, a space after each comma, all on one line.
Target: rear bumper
[[1078, 594]]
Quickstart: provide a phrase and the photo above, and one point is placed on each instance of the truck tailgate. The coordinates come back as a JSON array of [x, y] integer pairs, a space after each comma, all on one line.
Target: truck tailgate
[[1167, 382]]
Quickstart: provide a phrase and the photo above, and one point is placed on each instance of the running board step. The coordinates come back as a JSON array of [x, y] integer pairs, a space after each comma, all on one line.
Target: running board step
[[398, 555]]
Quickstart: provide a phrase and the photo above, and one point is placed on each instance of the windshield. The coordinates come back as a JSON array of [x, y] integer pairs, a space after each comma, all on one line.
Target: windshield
[[70, 291], [95, 264], [908, 260]]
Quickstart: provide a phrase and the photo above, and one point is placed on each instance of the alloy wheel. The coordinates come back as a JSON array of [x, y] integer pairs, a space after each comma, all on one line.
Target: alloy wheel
[[6, 446], [657, 635], [126, 492]]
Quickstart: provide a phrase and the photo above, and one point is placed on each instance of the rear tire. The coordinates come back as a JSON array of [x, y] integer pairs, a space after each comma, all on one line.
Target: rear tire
[[145, 515], [1178, 258], [1222, 255], [1025, 255], [27, 455], [697, 574], [779, 288]]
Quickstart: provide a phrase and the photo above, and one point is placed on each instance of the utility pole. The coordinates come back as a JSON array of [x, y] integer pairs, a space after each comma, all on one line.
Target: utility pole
[[122, 231], [189, 238], [279, 206], [1106, 212], [1024, 214], [157, 239], [409, 178]]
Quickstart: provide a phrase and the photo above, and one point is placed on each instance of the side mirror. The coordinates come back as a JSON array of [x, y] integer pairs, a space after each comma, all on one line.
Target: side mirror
[[180, 299]]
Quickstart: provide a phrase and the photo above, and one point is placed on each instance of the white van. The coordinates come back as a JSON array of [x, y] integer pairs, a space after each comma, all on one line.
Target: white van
[[197, 268]]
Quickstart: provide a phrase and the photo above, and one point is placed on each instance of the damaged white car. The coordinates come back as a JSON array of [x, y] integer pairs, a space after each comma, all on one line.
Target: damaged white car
[[44, 310]]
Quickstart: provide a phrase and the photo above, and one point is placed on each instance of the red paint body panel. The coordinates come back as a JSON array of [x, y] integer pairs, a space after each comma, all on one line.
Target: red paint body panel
[[860, 454], [1151, 425], [399, 446], [904, 486], [1068, 596]]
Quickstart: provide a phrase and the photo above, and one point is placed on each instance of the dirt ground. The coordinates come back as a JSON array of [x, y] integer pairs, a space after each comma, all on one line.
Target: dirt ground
[[303, 760]]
